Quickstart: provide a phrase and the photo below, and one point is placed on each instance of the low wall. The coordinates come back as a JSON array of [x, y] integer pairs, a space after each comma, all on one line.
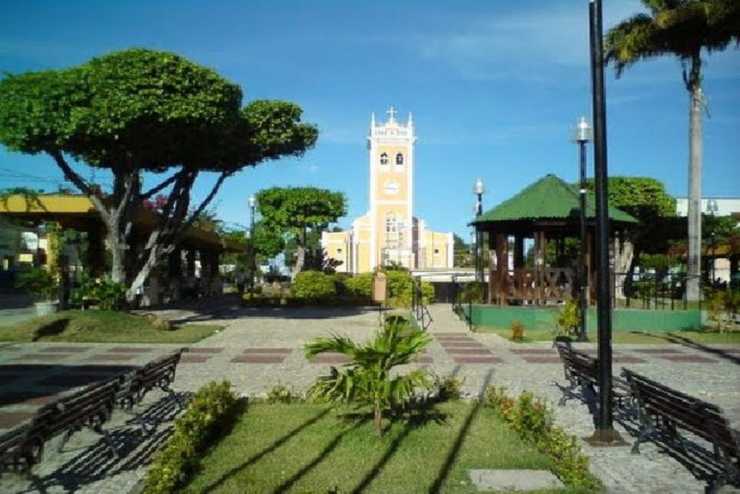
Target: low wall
[[622, 319]]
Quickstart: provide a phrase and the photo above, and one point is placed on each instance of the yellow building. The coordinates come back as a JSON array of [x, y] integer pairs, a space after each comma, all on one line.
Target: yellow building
[[389, 232]]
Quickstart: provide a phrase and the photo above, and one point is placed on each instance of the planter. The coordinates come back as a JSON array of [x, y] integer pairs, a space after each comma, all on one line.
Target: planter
[[45, 308]]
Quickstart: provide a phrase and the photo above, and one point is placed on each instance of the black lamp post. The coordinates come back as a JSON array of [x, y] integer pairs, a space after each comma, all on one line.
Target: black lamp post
[[253, 252], [604, 433], [478, 190], [582, 136]]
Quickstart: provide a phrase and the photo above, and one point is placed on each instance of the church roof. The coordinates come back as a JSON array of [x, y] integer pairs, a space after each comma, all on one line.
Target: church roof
[[549, 198]]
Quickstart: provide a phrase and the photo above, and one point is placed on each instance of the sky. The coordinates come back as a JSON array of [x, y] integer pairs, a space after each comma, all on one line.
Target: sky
[[495, 88]]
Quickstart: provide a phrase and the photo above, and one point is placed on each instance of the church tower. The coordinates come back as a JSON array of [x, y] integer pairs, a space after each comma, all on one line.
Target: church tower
[[391, 155], [390, 233]]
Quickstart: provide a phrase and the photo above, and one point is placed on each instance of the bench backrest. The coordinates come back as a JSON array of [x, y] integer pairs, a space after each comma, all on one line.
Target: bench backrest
[[158, 372], [577, 362], [699, 417], [93, 404]]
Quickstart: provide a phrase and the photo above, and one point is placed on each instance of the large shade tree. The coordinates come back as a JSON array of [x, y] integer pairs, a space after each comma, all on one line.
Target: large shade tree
[[139, 111], [296, 211], [685, 29]]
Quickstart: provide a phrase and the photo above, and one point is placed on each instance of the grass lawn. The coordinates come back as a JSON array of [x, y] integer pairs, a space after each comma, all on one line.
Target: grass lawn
[[307, 448], [634, 337], [100, 326]]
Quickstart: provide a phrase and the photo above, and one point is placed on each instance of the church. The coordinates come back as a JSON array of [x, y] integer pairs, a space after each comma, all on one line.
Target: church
[[389, 233]]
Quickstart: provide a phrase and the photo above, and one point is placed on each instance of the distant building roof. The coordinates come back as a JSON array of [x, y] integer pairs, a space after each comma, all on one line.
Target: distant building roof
[[74, 210], [549, 198]]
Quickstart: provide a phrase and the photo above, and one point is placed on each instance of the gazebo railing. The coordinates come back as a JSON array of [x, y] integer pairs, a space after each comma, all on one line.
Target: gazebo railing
[[534, 286]]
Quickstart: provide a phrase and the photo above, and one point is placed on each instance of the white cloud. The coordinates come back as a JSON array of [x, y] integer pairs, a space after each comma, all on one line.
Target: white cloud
[[523, 44]]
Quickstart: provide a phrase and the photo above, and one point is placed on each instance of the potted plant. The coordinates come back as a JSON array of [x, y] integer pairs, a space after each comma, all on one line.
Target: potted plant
[[42, 286]]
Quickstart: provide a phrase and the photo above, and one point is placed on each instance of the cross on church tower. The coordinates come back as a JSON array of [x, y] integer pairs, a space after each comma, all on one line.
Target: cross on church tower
[[391, 114]]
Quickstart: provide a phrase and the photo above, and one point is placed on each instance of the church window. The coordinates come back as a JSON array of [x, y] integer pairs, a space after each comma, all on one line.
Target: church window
[[436, 251], [384, 159], [339, 251], [399, 159]]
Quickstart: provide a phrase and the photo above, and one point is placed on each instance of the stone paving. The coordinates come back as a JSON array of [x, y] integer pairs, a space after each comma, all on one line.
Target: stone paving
[[263, 347]]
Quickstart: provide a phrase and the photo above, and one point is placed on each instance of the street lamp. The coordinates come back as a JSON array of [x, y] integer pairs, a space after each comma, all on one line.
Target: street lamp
[[583, 134], [478, 190], [253, 252], [605, 434]]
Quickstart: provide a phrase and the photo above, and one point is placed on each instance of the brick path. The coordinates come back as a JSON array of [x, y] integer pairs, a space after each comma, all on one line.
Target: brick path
[[263, 348]]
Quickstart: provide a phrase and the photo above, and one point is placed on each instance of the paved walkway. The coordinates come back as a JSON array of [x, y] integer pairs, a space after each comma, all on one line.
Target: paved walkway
[[263, 347]]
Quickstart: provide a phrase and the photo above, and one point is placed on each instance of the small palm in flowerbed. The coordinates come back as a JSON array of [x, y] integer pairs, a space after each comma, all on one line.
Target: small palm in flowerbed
[[366, 380]]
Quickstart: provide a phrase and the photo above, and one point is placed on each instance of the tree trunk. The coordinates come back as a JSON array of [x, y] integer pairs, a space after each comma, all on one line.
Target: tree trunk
[[378, 420], [695, 166], [622, 263], [300, 256]]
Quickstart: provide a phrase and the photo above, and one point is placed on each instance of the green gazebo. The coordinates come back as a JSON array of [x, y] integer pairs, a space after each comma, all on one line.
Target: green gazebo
[[547, 210]]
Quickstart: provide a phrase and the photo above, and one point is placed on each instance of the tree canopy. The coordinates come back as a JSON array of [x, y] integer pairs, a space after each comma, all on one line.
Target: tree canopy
[[137, 111], [297, 210]]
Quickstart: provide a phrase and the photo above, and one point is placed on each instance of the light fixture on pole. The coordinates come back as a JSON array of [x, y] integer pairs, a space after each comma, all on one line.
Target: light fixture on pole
[[478, 190], [583, 134], [252, 252]]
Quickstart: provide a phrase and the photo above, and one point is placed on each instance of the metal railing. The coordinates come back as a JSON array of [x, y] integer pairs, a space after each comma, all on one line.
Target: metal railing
[[653, 290], [419, 309]]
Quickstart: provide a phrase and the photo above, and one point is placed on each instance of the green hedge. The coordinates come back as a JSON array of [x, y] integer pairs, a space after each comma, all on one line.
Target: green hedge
[[208, 416], [314, 286], [533, 421]]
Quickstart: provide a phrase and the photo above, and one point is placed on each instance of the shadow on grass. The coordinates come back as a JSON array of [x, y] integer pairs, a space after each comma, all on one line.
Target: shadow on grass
[[318, 459], [444, 471], [689, 343], [272, 447], [52, 328]]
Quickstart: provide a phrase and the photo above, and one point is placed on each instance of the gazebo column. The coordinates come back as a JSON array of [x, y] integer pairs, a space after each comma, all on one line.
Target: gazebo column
[[540, 246], [518, 251], [502, 267]]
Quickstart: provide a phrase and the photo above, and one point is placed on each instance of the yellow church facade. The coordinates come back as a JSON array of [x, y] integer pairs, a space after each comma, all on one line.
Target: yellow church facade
[[389, 233]]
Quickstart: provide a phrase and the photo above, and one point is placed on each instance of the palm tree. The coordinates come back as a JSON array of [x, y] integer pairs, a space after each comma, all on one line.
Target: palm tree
[[682, 28], [366, 379]]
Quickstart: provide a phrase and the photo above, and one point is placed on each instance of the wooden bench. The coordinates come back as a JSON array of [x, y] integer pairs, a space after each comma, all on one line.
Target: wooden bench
[[664, 413], [91, 407], [159, 373], [581, 371]]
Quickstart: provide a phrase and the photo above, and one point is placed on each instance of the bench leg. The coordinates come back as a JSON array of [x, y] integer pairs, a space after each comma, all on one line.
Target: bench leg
[[647, 429], [568, 392], [589, 394], [65, 438], [108, 441]]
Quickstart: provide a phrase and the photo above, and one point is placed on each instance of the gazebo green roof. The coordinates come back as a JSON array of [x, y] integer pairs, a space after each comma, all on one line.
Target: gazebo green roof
[[549, 198]]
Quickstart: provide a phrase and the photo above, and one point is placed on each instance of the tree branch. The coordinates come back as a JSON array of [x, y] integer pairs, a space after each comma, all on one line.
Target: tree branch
[[146, 195], [203, 205], [83, 186]]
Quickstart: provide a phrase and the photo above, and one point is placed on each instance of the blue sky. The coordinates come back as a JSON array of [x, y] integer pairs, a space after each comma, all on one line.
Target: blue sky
[[494, 88]]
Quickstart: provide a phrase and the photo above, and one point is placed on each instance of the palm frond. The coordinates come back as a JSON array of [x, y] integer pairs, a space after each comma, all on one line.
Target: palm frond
[[335, 343]]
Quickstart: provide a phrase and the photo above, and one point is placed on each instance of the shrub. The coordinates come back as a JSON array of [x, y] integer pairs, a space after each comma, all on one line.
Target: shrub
[[39, 282], [400, 289], [108, 294], [282, 394], [517, 330], [314, 286], [448, 388], [533, 421], [716, 306], [360, 286], [210, 414], [473, 292], [569, 317]]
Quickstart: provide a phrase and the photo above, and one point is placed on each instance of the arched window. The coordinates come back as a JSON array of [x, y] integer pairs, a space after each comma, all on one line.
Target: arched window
[[399, 159], [391, 223], [384, 159]]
